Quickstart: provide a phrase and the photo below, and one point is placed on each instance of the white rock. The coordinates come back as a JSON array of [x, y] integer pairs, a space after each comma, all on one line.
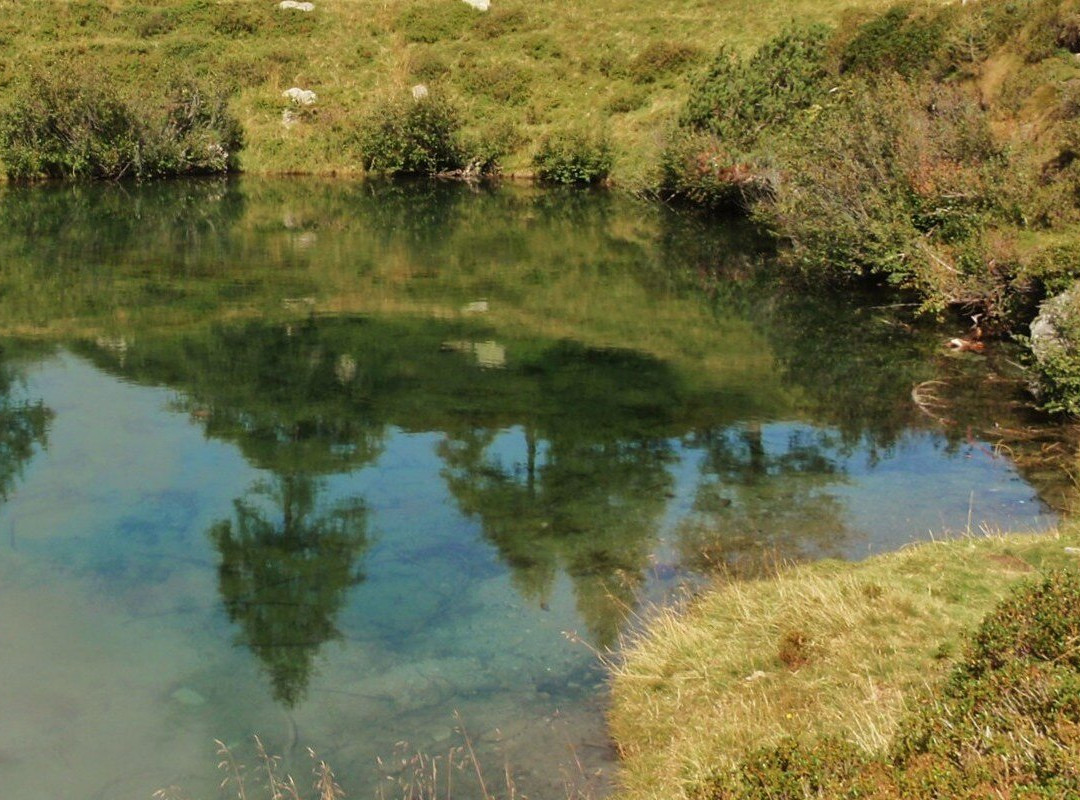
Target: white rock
[[289, 118], [302, 97], [420, 91], [479, 5], [478, 307], [297, 6]]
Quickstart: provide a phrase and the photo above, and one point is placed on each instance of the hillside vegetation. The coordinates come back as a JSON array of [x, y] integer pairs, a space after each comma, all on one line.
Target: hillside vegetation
[[517, 73]]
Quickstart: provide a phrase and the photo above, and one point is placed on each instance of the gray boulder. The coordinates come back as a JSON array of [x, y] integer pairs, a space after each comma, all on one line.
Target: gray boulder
[[1055, 350]]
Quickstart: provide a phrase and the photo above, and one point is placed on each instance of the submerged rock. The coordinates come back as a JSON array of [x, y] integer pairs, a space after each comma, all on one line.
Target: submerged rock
[[188, 697]]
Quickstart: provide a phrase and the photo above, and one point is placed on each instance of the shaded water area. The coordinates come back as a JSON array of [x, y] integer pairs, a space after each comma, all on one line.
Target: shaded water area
[[350, 466]]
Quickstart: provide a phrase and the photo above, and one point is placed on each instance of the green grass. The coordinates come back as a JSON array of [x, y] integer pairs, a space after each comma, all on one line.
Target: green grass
[[618, 66], [830, 649]]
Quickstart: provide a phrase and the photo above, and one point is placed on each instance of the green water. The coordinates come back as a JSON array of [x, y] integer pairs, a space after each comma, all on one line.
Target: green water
[[357, 466]]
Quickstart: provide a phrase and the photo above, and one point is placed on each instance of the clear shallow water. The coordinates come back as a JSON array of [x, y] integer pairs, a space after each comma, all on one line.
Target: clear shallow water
[[331, 463]]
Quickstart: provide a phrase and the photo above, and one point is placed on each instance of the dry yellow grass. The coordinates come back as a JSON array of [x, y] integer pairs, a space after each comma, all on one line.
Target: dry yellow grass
[[828, 648]]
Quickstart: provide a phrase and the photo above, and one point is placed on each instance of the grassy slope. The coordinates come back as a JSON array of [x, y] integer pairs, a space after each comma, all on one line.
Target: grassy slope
[[521, 66], [705, 684]]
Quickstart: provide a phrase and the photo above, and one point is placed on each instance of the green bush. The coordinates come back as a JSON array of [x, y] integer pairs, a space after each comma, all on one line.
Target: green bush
[[574, 158], [412, 137], [1010, 712], [898, 41], [61, 128], [738, 99]]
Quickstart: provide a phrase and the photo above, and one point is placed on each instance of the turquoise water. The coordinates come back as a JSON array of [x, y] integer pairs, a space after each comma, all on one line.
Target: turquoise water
[[356, 469]]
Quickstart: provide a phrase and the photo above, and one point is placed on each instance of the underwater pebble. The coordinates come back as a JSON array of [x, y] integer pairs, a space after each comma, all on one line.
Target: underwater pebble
[[188, 697]]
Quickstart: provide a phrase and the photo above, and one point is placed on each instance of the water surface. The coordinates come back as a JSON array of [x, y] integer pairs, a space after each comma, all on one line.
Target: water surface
[[350, 466]]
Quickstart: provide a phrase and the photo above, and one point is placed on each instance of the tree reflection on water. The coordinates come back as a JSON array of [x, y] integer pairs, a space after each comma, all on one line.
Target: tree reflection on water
[[286, 566]]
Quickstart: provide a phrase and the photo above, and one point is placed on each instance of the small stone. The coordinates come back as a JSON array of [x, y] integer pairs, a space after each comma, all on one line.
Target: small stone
[[293, 4], [478, 307], [289, 118], [420, 91], [188, 697], [1073, 551], [479, 5], [302, 97]]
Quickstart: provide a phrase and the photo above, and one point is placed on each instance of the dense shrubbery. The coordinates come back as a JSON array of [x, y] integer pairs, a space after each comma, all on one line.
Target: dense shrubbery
[[1005, 724], [574, 158], [410, 137], [711, 160], [699, 168], [873, 154], [61, 128], [738, 99]]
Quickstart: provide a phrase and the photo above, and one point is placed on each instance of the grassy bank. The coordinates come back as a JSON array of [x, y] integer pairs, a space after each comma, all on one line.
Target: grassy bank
[[828, 649], [518, 72]]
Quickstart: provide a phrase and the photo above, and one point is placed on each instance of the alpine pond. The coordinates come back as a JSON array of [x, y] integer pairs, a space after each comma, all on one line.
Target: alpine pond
[[361, 466]]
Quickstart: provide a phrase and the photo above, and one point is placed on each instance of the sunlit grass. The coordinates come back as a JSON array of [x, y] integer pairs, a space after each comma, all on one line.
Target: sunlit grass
[[538, 69], [827, 648]]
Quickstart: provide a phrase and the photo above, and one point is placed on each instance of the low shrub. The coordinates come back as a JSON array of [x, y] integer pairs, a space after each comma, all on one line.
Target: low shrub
[[626, 100], [574, 158], [501, 21], [698, 168], [427, 66], [792, 770], [423, 137], [659, 59], [898, 41], [1009, 715], [737, 99], [58, 127], [504, 82], [434, 22]]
